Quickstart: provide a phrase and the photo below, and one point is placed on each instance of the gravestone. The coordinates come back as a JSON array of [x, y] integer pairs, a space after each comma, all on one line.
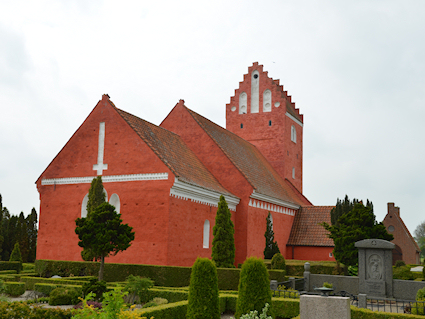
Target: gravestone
[[375, 267]]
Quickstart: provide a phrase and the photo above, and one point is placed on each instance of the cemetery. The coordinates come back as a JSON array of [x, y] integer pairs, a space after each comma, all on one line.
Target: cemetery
[[172, 291]]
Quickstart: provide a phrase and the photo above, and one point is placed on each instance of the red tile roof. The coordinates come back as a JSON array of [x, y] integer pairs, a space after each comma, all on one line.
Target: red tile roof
[[174, 153], [306, 229], [249, 161]]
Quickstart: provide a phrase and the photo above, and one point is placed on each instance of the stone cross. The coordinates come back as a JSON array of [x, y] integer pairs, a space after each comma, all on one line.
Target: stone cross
[[100, 166]]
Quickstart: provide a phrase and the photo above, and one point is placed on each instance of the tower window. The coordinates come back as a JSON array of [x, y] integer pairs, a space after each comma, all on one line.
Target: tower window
[[293, 134], [270, 123], [293, 172], [241, 125], [206, 239]]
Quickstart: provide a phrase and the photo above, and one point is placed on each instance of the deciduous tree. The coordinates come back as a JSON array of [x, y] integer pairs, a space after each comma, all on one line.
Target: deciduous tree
[[420, 237]]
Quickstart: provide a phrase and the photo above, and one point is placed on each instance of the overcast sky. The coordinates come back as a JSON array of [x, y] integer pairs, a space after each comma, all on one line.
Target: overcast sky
[[355, 69]]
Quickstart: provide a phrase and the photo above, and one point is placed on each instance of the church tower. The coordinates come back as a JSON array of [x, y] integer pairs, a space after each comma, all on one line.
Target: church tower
[[262, 113]]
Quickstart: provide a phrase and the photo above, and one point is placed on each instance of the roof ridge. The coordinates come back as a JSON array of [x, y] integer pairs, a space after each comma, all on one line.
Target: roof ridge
[[119, 111], [408, 232], [219, 146]]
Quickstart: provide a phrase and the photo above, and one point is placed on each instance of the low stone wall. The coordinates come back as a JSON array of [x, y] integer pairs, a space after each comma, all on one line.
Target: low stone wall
[[350, 284], [406, 289]]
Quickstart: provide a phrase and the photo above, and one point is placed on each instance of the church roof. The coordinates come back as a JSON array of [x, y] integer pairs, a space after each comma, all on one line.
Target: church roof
[[174, 153], [249, 161], [306, 229]]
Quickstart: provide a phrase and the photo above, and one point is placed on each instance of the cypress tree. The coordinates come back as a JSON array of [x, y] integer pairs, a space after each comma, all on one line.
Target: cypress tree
[[203, 291], [16, 253], [32, 235], [223, 244], [96, 195], [271, 245], [22, 237], [254, 287]]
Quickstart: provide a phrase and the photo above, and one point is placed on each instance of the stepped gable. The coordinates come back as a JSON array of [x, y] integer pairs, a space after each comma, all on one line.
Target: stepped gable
[[249, 161], [174, 153], [306, 229], [274, 86]]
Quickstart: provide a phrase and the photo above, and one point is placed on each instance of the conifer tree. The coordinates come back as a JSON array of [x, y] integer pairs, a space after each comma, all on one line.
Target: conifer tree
[[271, 245], [16, 253], [96, 194], [203, 291], [223, 244], [103, 233], [32, 235]]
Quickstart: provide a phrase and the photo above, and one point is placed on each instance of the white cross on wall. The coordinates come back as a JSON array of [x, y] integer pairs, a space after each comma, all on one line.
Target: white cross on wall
[[99, 167]]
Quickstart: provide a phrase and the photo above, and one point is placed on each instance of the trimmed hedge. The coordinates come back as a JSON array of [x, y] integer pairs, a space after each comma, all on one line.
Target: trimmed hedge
[[44, 288], [175, 310], [171, 276], [14, 288], [11, 265], [31, 281], [359, 313], [8, 272], [13, 310], [316, 267]]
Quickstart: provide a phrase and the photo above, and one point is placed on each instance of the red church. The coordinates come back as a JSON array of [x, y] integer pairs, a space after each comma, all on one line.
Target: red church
[[166, 180]]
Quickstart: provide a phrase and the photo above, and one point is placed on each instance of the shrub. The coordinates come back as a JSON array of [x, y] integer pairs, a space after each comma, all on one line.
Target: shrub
[[16, 254], [203, 291], [403, 273], [327, 285], [63, 296], [420, 294], [15, 288], [90, 303], [98, 288], [400, 263], [45, 289], [278, 262], [2, 286], [150, 304], [138, 286], [254, 287], [254, 314]]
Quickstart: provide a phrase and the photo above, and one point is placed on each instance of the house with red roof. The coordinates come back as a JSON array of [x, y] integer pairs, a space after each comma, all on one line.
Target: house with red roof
[[166, 180]]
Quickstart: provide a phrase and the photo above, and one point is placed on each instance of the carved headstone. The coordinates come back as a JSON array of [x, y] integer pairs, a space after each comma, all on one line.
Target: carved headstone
[[375, 267]]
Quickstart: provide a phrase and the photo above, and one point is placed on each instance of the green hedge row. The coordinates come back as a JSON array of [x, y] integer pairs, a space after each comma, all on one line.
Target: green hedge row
[[8, 272], [11, 265], [31, 281], [358, 313], [13, 310], [14, 288], [171, 276], [315, 268]]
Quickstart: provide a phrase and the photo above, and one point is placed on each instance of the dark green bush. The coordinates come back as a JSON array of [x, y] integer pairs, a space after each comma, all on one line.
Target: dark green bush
[[14, 288], [254, 287], [400, 263], [45, 288], [95, 286], [138, 287], [2, 286], [203, 291], [278, 262], [64, 296], [11, 265], [403, 273]]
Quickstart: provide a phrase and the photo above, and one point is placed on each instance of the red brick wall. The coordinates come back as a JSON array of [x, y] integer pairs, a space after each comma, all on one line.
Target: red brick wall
[[311, 253], [182, 123], [402, 236], [273, 141], [144, 204]]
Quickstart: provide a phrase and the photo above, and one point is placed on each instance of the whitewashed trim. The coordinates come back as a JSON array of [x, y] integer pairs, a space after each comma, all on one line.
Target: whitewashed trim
[[294, 119], [272, 208], [271, 200], [186, 191], [105, 179]]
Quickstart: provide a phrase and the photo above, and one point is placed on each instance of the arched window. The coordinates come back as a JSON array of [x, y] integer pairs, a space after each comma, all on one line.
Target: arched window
[[255, 92], [243, 98], [267, 101], [115, 201], [206, 243], [293, 134], [84, 206]]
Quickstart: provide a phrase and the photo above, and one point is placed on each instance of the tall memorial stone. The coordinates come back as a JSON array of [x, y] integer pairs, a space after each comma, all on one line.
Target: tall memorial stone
[[375, 267]]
